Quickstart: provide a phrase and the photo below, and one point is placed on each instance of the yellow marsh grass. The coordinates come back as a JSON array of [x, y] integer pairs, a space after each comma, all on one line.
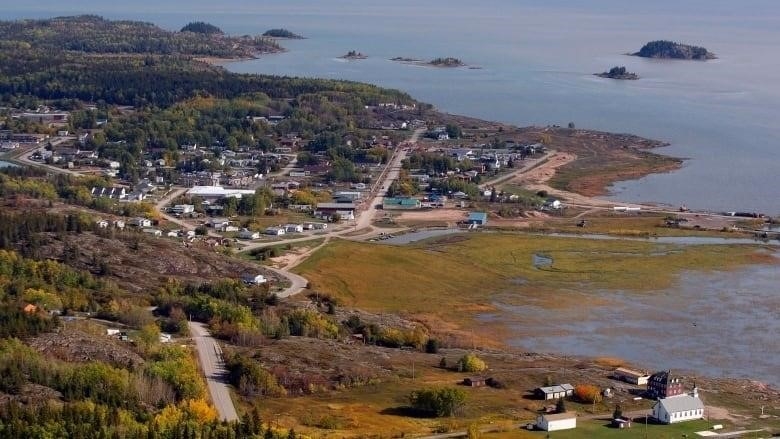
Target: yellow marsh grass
[[459, 275]]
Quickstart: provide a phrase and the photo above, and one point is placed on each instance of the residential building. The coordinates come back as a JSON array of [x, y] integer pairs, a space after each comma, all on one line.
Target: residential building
[[477, 218], [217, 223], [140, 222], [182, 209], [275, 231], [663, 385], [554, 392], [153, 232], [631, 376], [102, 224], [217, 192], [248, 234], [117, 193], [293, 228], [678, 408], [556, 421], [345, 210], [401, 204], [254, 279]]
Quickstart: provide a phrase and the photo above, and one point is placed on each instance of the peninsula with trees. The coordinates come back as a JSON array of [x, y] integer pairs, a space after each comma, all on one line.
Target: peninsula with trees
[[618, 73], [663, 49]]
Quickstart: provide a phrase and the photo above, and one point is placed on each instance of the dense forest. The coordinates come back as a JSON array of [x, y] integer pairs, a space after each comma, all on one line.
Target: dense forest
[[51, 280], [93, 34]]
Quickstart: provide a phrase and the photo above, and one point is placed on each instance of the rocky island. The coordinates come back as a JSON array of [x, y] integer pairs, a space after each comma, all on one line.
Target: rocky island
[[618, 73], [353, 55], [436, 62], [282, 33], [671, 50]]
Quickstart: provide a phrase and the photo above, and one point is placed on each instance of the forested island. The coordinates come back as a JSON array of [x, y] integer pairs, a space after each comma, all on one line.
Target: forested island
[[670, 50], [353, 54], [201, 27], [618, 73], [282, 33], [436, 62]]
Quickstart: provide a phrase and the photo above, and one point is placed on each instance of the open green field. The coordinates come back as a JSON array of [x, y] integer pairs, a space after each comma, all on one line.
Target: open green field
[[458, 276], [587, 429]]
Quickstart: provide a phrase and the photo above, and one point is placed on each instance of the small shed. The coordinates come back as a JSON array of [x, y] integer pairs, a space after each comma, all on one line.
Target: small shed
[[478, 218], [557, 421], [475, 381]]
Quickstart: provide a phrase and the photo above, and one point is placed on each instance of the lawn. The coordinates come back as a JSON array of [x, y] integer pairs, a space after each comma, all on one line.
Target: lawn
[[459, 276], [600, 429]]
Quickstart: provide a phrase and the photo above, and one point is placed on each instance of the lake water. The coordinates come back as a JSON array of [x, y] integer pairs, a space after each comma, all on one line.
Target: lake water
[[537, 60]]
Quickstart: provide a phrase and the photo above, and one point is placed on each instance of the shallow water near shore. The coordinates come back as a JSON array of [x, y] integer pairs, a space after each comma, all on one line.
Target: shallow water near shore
[[717, 324]]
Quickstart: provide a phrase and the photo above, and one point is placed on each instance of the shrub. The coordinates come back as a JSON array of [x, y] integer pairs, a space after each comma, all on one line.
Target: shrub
[[587, 393], [438, 402], [471, 363], [432, 346]]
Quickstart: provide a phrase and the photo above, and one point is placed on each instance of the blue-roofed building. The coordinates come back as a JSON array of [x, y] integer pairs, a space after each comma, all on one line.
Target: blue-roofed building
[[478, 218]]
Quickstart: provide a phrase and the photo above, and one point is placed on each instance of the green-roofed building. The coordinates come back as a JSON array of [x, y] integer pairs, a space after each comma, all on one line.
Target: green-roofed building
[[401, 204]]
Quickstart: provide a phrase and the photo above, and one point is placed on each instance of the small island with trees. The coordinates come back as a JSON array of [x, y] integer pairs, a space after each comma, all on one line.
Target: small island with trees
[[282, 33], [436, 62], [670, 50], [352, 54], [618, 73], [200, 27]]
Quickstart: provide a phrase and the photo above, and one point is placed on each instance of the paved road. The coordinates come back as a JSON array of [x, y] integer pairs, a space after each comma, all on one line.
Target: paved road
[[210, 357], [22, 157], [172, 195], [384, 181]]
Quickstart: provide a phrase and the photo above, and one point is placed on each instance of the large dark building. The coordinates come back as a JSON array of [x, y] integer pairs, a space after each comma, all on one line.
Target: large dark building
[[663, 385]]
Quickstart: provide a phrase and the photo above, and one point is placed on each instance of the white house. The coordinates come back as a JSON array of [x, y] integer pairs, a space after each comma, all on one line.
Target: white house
[[248, 234], [119, 224], [678, 408], [217, 223], [275, 231], [293, 228], [153, 232], [254, 279], [102, 224], [140, 222], [557, 421], [165, 338]]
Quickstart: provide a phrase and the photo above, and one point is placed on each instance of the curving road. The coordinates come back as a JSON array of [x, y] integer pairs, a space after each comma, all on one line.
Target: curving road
[[213, 366]]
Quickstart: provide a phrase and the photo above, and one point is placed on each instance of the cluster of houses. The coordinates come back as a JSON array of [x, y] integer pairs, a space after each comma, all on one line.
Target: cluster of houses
[[673, 403]]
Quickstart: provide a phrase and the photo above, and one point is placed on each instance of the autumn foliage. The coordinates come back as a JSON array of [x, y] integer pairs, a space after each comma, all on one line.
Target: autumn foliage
[[587, 393]]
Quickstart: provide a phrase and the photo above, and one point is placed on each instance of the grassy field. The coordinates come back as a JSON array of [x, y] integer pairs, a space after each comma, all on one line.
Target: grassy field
[[587, 429], [457, 276]]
